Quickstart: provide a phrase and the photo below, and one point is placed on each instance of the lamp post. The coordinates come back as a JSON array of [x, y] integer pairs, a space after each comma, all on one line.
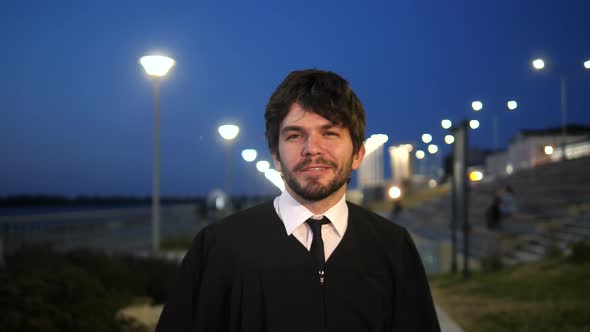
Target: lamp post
[[157, 67], [539, 64], [249, 155], [228, 132]]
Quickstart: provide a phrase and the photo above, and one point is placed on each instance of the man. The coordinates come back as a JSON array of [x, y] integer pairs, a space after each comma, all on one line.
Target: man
[[308, 261]]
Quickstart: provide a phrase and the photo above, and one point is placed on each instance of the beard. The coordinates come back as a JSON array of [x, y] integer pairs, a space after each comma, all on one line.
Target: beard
[[314, 190]]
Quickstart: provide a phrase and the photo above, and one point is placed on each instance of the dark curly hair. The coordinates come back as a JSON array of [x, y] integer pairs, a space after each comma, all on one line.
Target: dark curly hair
[[322, 92]]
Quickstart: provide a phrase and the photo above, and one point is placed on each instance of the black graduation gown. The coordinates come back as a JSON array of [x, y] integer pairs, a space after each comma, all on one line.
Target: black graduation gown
[[245, 274]]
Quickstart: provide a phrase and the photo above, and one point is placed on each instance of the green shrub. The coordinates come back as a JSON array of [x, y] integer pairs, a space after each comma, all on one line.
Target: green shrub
[[41, 290], [581, 252]]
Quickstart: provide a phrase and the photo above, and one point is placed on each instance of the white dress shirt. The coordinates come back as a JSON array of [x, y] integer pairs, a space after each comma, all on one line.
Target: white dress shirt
[[294, 215]]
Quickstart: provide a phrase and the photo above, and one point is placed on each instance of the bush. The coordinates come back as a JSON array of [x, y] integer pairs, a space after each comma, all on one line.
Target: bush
[[581, 252], [41, 290]]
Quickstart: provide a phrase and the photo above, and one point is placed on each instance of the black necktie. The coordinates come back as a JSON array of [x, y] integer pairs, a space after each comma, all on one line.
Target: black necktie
[[317, 244]]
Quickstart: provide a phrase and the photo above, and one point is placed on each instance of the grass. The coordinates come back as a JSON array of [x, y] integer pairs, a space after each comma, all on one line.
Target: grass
[[551, 295]]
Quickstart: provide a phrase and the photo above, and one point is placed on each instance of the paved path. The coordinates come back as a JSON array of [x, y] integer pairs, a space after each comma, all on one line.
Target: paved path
[[446, 323]]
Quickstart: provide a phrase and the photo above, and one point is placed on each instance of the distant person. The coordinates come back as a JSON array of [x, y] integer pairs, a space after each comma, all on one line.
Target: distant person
[[397, 208], [507, 204], [309, 260], [493, 213]]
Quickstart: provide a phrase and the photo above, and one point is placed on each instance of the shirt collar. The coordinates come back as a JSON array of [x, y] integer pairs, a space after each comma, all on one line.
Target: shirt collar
[[293, 214]]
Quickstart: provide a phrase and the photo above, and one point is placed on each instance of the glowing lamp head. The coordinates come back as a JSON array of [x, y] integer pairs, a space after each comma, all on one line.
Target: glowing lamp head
[[446, 124], [474, 124], [426, 138], [395, 192], [548, 150], [249, 155], [475, 176], [587, 64], [477, 105], [262, 166], [156, 65], [432, 148], [512, 105], [228, 132], [449, 139], [420, 154], [538, 64]]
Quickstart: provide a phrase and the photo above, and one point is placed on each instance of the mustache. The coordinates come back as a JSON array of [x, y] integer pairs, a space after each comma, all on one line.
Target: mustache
[[319, 161]]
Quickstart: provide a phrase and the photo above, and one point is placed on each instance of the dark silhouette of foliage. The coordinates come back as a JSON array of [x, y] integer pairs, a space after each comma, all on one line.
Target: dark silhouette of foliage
[[41, 290]]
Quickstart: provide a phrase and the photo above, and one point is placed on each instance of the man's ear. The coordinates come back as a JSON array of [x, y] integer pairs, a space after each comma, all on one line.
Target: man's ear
[[357, 159], [276, 160]]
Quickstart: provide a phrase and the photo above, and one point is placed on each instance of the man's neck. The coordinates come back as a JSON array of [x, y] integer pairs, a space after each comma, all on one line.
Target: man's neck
[[320, 207]]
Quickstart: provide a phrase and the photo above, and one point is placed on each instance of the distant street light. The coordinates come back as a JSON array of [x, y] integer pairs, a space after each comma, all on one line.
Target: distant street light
[[477, 105], [538, 63], [228, 133], [512, 105], [548, 150], [249, 155], [474, 124], [449, 139], [426, 138], [395, 192], [432, 148], [446, 124], [262, 166], [587, 64], [420, 154], [156, 66]]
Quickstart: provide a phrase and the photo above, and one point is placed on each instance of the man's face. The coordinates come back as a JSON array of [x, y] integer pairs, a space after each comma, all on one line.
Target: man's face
[[314, 155]]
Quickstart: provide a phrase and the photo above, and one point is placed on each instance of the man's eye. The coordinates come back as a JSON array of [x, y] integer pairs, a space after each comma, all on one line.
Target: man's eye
[[331, 133], [293, 136]]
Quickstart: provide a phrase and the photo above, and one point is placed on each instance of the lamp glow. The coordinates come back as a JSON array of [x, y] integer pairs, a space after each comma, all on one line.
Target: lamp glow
[[420, 154], [395, 192], [228, 132], [275, 177], [426, 138], [249, 155], [587, 64], [262, 166], [477, 105], [156, 65], [374, 142], [446, 123], [538, 64], [474, 124], [475, 176], [512, 105], [548, 150], [432, 148], [449, 139]]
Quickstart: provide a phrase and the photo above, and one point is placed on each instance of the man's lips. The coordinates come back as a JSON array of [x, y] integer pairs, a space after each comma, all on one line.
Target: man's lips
[[315, 168]]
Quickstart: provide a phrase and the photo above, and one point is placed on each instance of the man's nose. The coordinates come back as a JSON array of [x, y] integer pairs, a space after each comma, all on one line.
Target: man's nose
[[312, 146]]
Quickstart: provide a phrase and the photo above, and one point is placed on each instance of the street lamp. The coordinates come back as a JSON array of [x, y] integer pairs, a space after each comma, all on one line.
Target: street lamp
[[477, 105], [446, 124], [262, 166], [228, 132], [474, 124], [249, 155], [432, 148], [156, 66], [449, 139], [426, 138]]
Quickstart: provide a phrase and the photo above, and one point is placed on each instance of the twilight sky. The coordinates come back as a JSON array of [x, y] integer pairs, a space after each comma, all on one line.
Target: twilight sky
[[76, 107]]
